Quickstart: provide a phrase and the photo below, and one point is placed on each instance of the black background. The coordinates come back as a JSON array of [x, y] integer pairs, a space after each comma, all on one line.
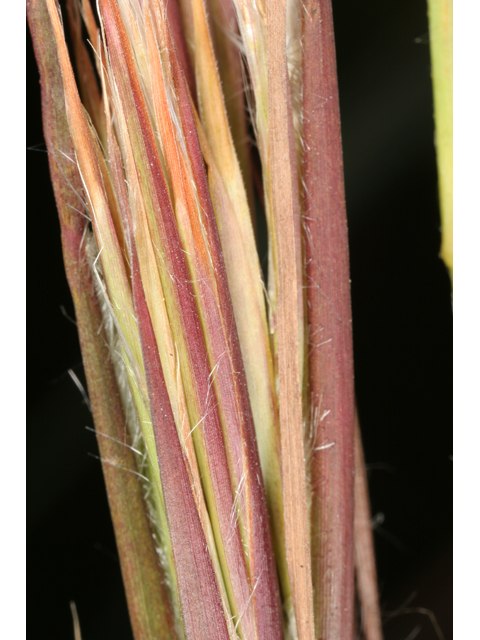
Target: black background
[[402, 335]]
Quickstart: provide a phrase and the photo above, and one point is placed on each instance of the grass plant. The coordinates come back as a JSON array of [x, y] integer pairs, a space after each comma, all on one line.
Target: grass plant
[[223, 403]]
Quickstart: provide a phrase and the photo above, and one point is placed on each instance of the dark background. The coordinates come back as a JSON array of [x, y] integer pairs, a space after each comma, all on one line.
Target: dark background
[[402, 335]]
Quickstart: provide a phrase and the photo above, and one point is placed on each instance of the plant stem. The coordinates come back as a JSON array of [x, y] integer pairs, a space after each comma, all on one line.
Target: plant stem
[[330, 330], [147, 598]]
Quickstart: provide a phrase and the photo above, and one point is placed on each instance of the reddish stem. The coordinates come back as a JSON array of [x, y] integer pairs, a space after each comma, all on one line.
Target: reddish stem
[[330, 331]]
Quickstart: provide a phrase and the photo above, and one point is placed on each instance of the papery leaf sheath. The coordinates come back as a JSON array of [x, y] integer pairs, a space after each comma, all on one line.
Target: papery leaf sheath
[[224, 30], [212, 111], [254, 28], [288, 324]]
